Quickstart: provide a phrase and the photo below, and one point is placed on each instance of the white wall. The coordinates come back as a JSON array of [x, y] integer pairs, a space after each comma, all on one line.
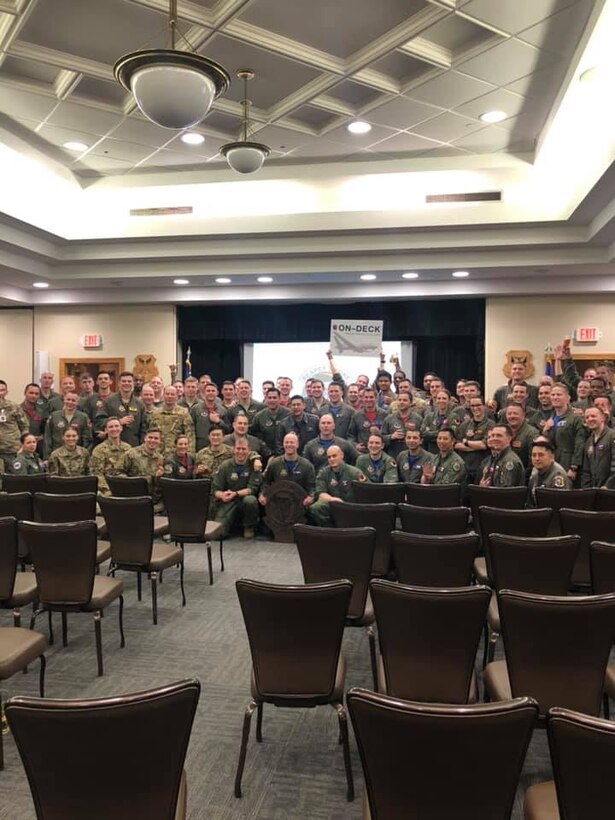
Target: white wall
[[16, 363], [530, 323]]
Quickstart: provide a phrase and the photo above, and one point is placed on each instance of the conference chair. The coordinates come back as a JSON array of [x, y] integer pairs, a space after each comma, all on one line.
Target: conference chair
[[24, 483], [19, 506], [433, 520], [533, 523], [591, 526], [605, 500], [136, 486], [60, 508], [602, 568], [504, 498], [433, 495], [72, 484], [17, 589], [379, 516], [434, 560], [581, 499], [366, 492]]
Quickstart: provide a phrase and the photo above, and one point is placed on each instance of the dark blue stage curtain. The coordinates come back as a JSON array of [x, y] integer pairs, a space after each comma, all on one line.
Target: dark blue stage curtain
[[449, 333]]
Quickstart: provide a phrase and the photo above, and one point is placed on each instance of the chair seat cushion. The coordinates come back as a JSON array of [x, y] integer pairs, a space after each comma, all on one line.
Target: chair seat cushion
[[101, 526], [609, 681], [18, 648], [213, 530], [103, 551], [105, 590], [480, 570], [493, 615], [164, 555], [540, 802], [24, 590], [497, 683], [161, 526]]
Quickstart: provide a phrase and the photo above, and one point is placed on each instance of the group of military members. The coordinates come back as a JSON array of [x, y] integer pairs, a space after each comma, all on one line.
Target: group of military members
[[555, 434]]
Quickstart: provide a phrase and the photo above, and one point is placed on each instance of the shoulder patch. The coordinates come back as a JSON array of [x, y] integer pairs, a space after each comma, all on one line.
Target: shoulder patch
[[510, 466], [559, 482], [17, 465], [456, 466]]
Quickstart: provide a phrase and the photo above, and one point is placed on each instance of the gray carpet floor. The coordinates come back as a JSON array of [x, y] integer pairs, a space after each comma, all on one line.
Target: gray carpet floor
[[297, 772]]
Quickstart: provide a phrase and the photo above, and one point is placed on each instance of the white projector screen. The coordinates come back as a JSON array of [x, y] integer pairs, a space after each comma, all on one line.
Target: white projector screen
[[304, 360]]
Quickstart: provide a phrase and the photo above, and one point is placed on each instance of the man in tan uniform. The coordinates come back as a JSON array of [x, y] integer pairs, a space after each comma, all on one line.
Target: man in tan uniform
[[13, 422], [108, 457], [172, 421]]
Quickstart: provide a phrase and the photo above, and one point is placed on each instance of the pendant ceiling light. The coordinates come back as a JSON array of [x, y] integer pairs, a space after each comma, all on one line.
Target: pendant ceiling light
[[244, 156], [174, 89]]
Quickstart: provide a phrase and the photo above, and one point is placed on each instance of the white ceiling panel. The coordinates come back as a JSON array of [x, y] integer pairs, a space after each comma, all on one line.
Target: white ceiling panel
[[505, 62], [118, 149], [84, 118], [25, 105], [450, 90], [561, 33], [403, 142], [498, 100], [513, 15], [447, 127], [489, 139], [403, 113], [456, 34]]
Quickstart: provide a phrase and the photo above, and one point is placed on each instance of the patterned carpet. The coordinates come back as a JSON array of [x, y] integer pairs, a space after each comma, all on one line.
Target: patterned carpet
[[296, 773]]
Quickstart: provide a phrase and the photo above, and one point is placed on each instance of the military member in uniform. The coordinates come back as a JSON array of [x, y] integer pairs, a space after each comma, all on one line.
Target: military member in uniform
[[316, 403], [172, 421], [125, 406], [599, 454], [147, 460], [566, 431], [240, 431], [59, 420], [316, 449], [181, 464], [376, 465], [190, 397], [208, 460], [69, 459], [523, 434], [290, 467], [67, 385], [410, 461], [342, 413], [367, 421], [108, 458], [396, 425], [517, 376], [305, 425], [235, 487], [440, 418], [47, 392], [266, 423], [94, 404], [27, 461], [447, 467], [502, 468], [32, 409], [207, 412], [544, 410], [471, 437], [333, 484], [148, 401], [245, 403], [13, 423], [546, 471]]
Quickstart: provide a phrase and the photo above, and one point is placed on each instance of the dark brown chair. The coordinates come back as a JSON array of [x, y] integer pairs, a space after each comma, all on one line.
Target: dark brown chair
[[64, 558], [130, 522], [434, 520], [504, 498], [299, 665], [19, 506], [139, 741], [542, 566], [428, 640], [18, 649], [557, 649], [61, 508], [571, 499], [591, 526], [605, 500], [187, 505], [523, 523], [422, 760], [327, 554], [379, 516], [433, 495], [24, 483], [434, 560], [72, 484], [366, 492], [136, 486], [602, 567], [583, 757], [16, 588]]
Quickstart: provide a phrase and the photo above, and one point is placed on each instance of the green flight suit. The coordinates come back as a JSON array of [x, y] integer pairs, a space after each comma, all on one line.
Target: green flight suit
[[522, 441], [24, 464], [504, 470], [316, 451], [266, 427], [394, 423], [472, 430], [599, 460], [449, 469], [300, 471], [361, 426], [410, 468], [384, 471], [431, 426], [337, 484], [553, 478], [58, 423], [132, 433], [568, 438], [233, 476]]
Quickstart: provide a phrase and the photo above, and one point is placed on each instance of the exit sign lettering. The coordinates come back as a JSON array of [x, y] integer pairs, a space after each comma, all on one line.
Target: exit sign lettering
[[583, 335], [91, 340]]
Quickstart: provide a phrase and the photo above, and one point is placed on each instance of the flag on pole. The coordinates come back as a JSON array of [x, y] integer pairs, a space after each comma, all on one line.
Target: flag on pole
[[188, 362]]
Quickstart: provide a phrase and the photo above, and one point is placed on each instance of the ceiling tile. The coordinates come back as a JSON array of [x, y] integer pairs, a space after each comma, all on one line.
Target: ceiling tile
[[447, 127], [221, 122], [456, 34], [543, 83], [402, 67], [498, 100], [405, 142], [26, 105], [505, 62], [58, 136], [402, 113], [29, 70], [169, 159], [313, 117], [319, 147], [338, 28], [354, 94], [84, 118], [446, 151], [489, 139], [105, 164], [513, 16], [143, 132], [106, 92], [560, 34], [356, 141], [125, 151], [282, 139], [450, 90]]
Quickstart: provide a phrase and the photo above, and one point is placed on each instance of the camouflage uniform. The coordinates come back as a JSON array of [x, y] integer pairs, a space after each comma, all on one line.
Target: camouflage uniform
[[107, 459], [337, 484], [449, 469], [553, 478], [58, 423], [139, 461], [410, 468], [504, 470], [383, 471], [173, 423], [24, 464], [302, 473], [13, 423], [233, 476], [65, 462], [211, 460]]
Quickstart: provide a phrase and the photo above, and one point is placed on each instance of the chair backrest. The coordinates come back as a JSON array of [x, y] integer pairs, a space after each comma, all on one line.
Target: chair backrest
[[505, 498], [434, 520], [34, 483], [133, 486], [8, 556], [64, 558], [366, 492], [605, 500], [130, 525], [295, 635], [532, 523], [583, 757], [139, 741], [59, 508], [187, 506], [422, 760], [327, 553], [72, 484], [18, 505], [379, 516], [539, 565], [557, 647], [591, 526], [428, 639], [433, 495], [434, 560], [571, 499], [602, 566]]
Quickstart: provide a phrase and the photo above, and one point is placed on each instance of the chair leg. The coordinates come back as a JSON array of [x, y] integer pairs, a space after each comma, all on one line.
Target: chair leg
[[181, 582], [139, 591], [210, 565], [259, 723], [98, 635], [606, 706], [41, 678], [16, 617], [372, 654], [50, 628], [343, 721], [1, 739], [247, 719], [221, 555], [64, 629], [485, 643], [493, 639], [154, 578], [121, 620]]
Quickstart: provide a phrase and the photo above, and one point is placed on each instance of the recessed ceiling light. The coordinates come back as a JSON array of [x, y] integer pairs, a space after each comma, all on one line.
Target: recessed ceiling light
[[588, 75], [264, 280], [493, 116], [192, 138], [40, 284], [181, 281], [76, 146], [367, 277], [359, 127], [409, 275], [460, 274], [223, 280]]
